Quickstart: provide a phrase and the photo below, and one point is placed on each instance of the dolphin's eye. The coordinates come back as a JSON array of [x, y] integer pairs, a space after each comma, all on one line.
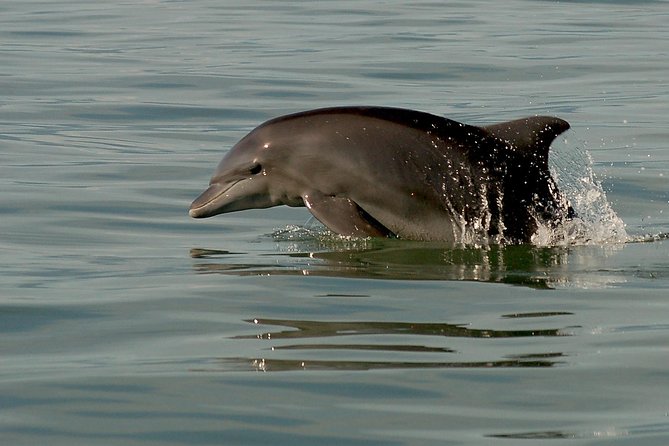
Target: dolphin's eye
[[255, 169]]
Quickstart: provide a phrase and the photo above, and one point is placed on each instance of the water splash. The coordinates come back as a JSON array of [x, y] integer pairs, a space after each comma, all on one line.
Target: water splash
[[596, 222]]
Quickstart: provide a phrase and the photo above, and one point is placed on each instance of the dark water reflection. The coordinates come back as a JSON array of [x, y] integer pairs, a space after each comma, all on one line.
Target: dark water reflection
[[320, 329], [526, 265], [401, 353], [548, 435], [285, 365]]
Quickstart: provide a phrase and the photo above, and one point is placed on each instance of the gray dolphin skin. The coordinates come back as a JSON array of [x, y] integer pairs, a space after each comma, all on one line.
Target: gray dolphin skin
[[391, 172]]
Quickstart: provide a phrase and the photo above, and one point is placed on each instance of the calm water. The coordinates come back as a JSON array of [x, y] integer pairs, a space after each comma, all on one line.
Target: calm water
[[124, 322]]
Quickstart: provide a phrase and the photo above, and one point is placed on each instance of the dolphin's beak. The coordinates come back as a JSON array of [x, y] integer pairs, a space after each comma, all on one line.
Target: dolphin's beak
[[206, 204], [231, 195]]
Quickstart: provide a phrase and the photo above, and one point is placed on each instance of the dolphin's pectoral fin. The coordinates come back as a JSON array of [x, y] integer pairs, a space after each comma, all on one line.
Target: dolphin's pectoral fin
[[344, 216]]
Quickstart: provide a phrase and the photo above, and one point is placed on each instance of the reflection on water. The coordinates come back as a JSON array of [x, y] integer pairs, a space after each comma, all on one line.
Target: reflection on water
[[371, 336], [548, 435], [563, 435], [285, 365], [527, 265], [320, 329]]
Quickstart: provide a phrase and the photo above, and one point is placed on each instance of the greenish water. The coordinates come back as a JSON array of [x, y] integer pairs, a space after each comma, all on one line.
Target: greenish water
[[124, 322]]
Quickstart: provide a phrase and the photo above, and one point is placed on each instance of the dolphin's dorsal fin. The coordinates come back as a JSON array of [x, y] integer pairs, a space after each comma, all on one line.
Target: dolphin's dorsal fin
[[532, 136]]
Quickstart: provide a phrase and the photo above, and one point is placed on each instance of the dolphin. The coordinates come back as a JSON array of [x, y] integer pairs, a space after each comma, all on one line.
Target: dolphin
[[392, 172]]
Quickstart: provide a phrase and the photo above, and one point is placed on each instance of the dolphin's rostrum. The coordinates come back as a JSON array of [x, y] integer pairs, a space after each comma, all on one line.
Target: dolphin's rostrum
[[379, 171]]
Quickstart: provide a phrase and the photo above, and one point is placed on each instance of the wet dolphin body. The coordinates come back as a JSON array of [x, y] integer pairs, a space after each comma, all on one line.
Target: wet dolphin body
[[377, 171]]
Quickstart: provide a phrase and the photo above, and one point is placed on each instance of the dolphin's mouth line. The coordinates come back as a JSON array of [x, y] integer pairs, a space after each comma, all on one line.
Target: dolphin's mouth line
[[194, 210], [221, 193]]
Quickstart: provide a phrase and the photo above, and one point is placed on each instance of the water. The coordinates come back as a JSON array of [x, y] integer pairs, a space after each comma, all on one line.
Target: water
[[125, 322]]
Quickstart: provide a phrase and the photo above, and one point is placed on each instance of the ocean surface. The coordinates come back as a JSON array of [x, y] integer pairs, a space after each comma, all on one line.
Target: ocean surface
[[125, 322]]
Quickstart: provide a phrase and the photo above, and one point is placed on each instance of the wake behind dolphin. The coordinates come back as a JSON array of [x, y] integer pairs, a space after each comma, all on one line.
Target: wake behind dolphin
[[390, 172]]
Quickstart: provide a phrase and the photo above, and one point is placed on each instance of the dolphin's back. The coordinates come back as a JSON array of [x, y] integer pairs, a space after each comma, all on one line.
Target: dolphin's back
[[530, 136], [418, 120]]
